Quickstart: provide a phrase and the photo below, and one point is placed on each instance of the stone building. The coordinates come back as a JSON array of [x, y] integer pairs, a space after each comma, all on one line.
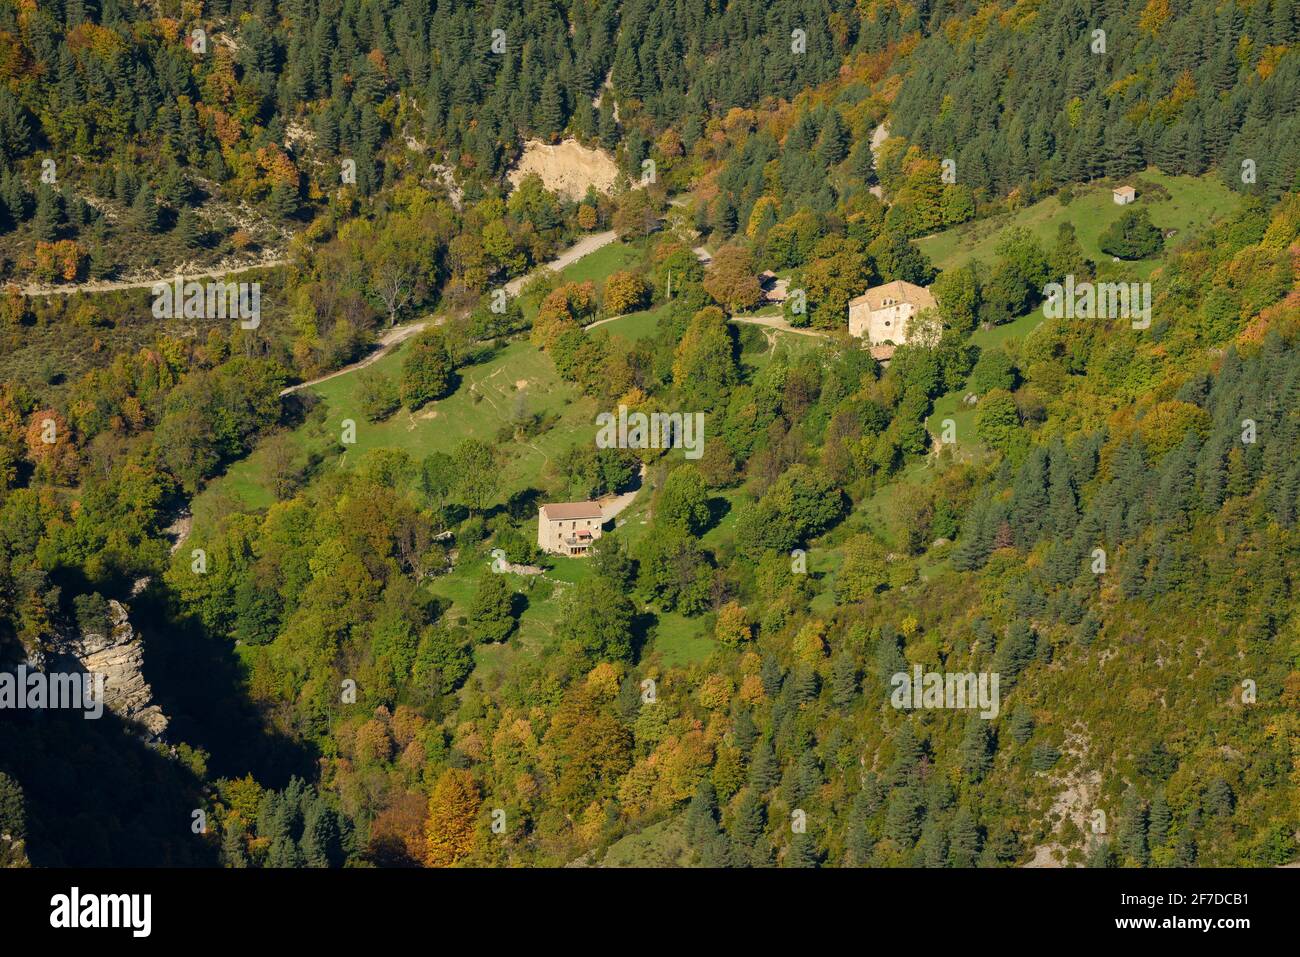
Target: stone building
[[568, 528]]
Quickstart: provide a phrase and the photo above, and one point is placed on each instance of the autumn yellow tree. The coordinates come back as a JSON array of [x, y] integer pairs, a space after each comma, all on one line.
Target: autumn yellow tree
[[1154, 16], [731, 281], [810, 643], [731, 627], [50, 446], [453, 809], [625, 292]]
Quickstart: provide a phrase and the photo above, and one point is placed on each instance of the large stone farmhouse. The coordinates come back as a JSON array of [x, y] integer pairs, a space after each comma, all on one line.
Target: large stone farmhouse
[[881, 315], [568, 528]]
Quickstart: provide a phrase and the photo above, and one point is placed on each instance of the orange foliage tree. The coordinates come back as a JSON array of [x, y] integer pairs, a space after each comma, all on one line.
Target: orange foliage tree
[[449, 835]]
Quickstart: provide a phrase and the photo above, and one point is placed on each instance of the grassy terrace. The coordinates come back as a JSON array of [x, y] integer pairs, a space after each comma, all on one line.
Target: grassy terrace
[[519, 378], [487, 398], [1194, 202], [489, 394]]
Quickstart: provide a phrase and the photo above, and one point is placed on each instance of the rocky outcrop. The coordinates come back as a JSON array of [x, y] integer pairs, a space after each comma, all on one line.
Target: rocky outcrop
[[119, 657]]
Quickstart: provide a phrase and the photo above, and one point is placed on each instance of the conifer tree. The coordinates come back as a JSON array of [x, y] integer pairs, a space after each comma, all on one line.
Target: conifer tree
[[144, 211], [490, 617]]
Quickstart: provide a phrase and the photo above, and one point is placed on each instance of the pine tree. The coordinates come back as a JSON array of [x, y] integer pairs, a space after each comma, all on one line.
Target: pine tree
[[319, 835], [123, 190], [748, 822], [1133, 828], [607, 126], [550, 108], [1102, 855], [964, 842], [764, 772], [802, 851], [1159, 820], [232, 847], [188, 229], [976, 750], [284, 854], [833, 146], [1021, 725], [933, 846], [283, 201], [743, 732], [1219, 799], [490, 618], [865, 804], [144, 211], [903, 816], [49, 214], [907, 755], [808, 776], [1015, 653], [102, 263], [702, 813], [1123, 150], [844, 680]]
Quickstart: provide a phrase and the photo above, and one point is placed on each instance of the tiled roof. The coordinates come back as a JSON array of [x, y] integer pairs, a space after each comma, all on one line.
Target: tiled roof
[[898, 291], [565, 511]]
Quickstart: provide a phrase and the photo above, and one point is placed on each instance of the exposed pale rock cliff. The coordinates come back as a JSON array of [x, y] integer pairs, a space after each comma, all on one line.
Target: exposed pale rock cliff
[[119, 657]]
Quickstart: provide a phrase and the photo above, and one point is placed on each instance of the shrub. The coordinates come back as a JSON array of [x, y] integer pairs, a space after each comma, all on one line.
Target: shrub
[[378, 395], [426, 373], [1132, 236], [625, 292]]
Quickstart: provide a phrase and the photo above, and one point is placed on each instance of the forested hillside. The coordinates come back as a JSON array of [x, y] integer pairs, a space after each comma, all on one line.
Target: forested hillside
[[1102, 512]]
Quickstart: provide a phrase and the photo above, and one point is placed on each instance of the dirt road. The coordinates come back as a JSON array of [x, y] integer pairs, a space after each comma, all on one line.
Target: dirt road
[[389, 339], [583, 247], [612, 505], [116, 285], [777, 322]]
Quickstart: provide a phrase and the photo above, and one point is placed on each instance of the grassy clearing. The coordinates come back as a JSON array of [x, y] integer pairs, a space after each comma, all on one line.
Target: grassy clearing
[[660, 845], [637, 325], [678, 641], [994, 336], [598, 266], [950, 406], [516, 379], [873, 513], [488, 397], [1194, 202], [759, 344]]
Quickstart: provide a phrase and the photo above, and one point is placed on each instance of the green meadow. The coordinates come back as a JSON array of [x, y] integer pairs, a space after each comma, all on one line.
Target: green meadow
[[1193, 203], [490, 396]]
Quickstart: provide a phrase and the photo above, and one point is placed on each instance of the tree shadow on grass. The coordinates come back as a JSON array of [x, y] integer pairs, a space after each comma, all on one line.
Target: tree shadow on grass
[[719, 508], [644, 625], [518, 605]]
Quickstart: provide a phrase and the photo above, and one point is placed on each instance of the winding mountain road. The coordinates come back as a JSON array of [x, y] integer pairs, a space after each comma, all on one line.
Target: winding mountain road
[[120, 284], [398, 334]]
